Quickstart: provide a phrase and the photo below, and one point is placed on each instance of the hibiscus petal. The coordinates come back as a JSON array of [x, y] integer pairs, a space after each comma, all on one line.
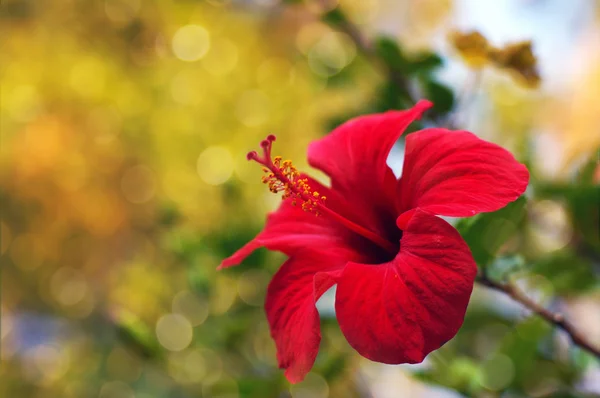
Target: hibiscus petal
[[400, 311], [289, 229], [354, 156], [454, 173], [291, 311], [356, 152]]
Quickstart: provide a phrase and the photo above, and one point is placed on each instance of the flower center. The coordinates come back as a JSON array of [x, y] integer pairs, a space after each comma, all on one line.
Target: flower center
[[282, 176]]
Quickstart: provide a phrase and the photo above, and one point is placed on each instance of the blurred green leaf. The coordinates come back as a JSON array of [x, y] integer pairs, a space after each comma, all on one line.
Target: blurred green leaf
[[136, 334], [390, 96], [462, 374], [333, 366], [487, 232], [567, 272], [583, 202], [230, 241], [522, 346], [168, 215], [425, 62], [199, 278], [441, 96], [570, 394], [346, 75], [259, 388], [389, 50], [334, 17]]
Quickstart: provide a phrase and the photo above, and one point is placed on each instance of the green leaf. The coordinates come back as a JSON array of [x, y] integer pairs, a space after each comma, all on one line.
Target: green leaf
[[168, 215], [333, 366], [334, 17], [522, 346], [391, 53], [390, 96], [260, 387], [461, 374], [583, 202], [424, 63], [441, 96], [487, 232], [408, 64], [567, 272]]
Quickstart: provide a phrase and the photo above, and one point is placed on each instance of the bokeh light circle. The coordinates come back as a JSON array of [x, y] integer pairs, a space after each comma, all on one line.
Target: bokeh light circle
[[174, 332], [498, 372], [332, 53], [194, 308], [68, 286], [138, 184], [116, 389], [190, 43], [222, 57], [253, 108], [215, 165]]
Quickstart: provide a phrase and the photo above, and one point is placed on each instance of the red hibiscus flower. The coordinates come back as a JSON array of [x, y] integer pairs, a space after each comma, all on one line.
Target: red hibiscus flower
[[404, 276]]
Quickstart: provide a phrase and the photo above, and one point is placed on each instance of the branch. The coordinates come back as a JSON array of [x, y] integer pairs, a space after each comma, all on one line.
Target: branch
[[553, 318], [367, 48]]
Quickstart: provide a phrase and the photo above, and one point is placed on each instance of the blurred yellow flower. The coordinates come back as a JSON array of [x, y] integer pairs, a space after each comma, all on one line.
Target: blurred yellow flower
[[473, 47], [516, 58]]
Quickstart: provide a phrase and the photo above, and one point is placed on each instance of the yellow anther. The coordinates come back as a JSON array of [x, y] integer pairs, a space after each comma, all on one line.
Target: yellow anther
[[283, 177]]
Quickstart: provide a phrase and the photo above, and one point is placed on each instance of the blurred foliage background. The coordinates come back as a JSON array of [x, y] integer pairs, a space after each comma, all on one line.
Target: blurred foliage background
[[124, 128]]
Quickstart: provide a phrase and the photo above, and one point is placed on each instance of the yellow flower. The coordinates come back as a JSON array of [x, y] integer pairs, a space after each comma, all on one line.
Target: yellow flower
[[519, 60], [516, 58], [473, 47]]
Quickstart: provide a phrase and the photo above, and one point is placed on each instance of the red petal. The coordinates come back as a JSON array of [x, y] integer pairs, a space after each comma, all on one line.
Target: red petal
[[291, 311], [400, 311], [289, 229], [354, 155], [454, 173]]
